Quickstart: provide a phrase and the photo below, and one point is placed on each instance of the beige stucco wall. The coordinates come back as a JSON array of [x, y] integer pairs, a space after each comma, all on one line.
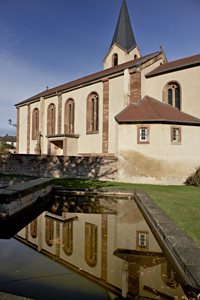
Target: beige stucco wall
[[144, 81], [87, 143], [160, 161], [48, 101], [116, 104], [123, 55], [33, 142], [23, 129], [189, 80], [78, 256]]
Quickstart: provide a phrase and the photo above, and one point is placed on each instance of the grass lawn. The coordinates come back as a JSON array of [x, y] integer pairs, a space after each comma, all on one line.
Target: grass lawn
[[181, 203]]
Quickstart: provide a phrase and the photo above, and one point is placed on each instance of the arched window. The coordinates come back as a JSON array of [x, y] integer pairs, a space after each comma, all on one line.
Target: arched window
[[115, 59], [172, 94], [69, 116], [34, 228], [92, 125], [35, 123], [68, 238], [51, 119], [169, 276], [91, 244], [49, 232], [135, 56]]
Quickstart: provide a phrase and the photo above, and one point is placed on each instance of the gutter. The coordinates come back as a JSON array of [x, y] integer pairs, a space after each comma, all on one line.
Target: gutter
[[158, 121]]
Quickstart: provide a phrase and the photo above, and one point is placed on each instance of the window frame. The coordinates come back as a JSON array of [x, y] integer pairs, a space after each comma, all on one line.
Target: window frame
[[91, 244], [115, 60], [140, 128], [35, 122], [69, 119], [138, 244], [176, 141], [92, 120], [172, 87], [51, 119], [68, 238]]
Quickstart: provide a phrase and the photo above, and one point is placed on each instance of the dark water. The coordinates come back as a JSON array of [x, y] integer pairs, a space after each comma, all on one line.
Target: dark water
[[85, 248]]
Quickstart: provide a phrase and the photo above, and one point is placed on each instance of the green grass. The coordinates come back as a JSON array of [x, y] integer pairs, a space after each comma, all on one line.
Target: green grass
[[181, 203]]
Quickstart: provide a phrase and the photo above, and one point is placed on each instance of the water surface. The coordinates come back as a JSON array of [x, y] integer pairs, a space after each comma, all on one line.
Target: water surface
[[85, 248]]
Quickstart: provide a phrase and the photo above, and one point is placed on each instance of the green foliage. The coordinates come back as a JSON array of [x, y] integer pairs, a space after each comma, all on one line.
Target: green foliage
[[8, 146], [194, 178], [4, 147]]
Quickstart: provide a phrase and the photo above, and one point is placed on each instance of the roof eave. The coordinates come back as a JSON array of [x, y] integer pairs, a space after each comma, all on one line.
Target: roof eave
[[162, 121]]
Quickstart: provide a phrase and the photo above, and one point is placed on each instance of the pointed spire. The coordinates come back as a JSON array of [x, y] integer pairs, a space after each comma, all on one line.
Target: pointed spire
[[123, 35]]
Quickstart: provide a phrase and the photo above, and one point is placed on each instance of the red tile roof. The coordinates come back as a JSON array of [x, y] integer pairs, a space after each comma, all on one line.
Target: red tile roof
[[176, 64], [91, 77], [151, 110]]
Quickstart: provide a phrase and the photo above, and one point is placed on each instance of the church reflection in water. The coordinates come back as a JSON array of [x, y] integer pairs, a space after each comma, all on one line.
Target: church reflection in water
[[106, 241]]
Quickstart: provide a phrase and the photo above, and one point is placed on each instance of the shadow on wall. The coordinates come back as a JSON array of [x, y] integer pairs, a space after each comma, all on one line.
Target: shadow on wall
[[59, 166]]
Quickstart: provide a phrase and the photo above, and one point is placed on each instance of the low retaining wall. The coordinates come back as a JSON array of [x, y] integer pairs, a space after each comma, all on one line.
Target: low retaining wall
[[17, 197], [6, 180], [102, 168], [173, 240]]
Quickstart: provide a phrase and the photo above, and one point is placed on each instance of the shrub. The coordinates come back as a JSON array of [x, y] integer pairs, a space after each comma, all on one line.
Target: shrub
[[8, 146], [5, 147], [194, 178]]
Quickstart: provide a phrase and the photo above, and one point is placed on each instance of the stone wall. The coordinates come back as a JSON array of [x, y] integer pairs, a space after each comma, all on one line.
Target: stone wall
[[101, 168]]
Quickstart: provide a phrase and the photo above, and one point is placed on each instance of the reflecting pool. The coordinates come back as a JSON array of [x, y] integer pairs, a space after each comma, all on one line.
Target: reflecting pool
[[81, 247]]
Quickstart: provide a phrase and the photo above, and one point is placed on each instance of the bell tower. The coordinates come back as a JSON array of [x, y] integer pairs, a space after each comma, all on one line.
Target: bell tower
[[123, 47]]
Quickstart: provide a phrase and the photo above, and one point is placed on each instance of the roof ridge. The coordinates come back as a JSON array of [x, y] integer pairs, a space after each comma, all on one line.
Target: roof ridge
[[170, 107], [175, 65], [181, 58], [153, 106]]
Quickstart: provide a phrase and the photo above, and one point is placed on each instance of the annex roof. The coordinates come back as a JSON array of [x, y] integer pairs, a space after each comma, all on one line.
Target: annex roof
[[175, 65], [149, 110], [8, 138], [98, 75], [123, 35]]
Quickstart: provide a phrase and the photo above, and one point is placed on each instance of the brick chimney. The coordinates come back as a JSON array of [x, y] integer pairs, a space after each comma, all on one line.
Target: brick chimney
[[135, 86]]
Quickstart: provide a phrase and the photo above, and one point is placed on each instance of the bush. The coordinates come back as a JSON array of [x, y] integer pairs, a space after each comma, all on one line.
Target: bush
[[8, 146], [194, 179], [5, 147]]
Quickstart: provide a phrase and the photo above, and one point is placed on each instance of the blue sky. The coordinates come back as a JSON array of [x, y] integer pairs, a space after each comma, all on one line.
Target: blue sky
[[51, 42]]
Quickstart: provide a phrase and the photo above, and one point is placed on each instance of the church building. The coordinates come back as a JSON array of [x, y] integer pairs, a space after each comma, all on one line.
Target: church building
[[142, 110]]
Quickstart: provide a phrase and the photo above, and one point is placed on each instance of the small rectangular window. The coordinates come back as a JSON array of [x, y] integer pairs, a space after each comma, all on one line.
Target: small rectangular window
[[176, 135], [142, 239], [143, 133]]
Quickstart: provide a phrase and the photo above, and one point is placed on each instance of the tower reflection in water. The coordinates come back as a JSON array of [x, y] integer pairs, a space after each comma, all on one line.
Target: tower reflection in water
[[107, 241]]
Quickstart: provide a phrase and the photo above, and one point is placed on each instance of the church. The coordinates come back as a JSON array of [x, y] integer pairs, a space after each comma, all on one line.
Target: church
[[142, 110]]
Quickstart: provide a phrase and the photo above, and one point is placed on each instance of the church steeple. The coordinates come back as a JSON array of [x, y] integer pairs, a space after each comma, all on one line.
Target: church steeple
[[123, 47], [123, 35]]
